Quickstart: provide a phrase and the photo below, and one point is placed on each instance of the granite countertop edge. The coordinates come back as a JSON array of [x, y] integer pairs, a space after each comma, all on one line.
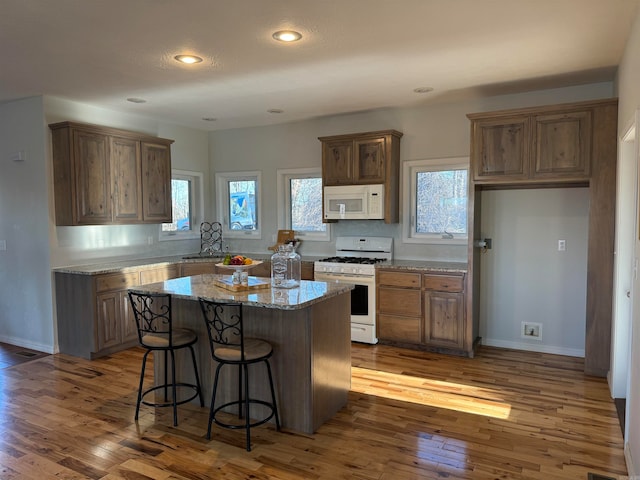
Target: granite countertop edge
[[133, 265], [200, 286], [425, 266]]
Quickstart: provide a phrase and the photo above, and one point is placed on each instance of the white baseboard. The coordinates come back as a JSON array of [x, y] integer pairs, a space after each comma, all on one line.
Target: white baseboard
[[629, 461], [571, 352], [21, 342]]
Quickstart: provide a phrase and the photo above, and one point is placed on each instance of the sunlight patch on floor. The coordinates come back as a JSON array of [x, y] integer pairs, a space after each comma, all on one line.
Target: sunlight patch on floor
[[434, 393]]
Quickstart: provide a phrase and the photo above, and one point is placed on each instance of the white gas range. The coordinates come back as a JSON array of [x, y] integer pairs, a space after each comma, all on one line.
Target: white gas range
[[354, 263]]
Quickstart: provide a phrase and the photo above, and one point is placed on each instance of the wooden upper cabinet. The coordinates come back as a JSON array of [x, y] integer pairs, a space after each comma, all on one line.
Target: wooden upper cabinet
[[360, 158], [369, 164], [534, 145], [501, 148], [562, 145], [156, 182], [366, 158], [337, 162], [108, 176], [91, 185], [126, 181]]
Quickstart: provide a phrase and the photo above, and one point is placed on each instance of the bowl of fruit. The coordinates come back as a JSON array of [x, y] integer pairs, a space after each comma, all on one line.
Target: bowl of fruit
[[238, 262]]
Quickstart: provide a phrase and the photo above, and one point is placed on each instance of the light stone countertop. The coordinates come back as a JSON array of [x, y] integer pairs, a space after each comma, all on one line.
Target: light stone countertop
[[427, 266], [124, 266], [203, 286]]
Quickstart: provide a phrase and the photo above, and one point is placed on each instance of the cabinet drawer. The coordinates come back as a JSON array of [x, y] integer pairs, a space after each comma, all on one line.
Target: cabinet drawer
[[399, 301], [158, 274], [398, 279], [198, 268], [399, 329], [116, 281], [444, 283]]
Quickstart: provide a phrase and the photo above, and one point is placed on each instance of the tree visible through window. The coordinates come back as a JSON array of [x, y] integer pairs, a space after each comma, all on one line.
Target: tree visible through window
[[435, 201], [306, 204], [441, 202], [181, 203]]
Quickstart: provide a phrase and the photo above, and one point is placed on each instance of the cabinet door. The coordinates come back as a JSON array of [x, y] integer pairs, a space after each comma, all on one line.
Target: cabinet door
[[156, 182], [562, 145], [500, 149], [444, 319], [126, 181], [108, 321], [369, 163], [92, 178], [337, 162]]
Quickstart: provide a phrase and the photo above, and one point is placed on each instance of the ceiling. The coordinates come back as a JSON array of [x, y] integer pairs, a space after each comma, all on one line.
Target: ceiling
[[355, 55]]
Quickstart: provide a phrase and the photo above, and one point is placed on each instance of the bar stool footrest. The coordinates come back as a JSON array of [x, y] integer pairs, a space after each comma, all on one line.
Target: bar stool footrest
[[242, 403], [169, 403]]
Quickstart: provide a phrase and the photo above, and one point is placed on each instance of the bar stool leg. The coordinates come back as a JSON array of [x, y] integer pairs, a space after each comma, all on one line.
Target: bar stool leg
[[246, 404], [195, 369], [213, 400], [144, 364], [273, 395]]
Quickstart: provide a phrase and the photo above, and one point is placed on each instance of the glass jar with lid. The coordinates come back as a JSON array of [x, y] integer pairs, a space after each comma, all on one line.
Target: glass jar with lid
[[285, 267]]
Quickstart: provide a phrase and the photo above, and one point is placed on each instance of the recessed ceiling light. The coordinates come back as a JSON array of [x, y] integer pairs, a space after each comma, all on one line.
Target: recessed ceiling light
[[136, 100], [287, 36], [209, 119], [423, 89], [275, 110], [189, 59]]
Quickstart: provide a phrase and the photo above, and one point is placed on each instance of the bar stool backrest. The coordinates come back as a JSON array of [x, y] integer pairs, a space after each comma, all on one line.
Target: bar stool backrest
[[225, 328], [153, 319]]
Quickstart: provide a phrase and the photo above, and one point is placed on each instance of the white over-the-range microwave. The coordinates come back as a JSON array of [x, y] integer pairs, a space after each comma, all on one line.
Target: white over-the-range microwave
[[354, 202]]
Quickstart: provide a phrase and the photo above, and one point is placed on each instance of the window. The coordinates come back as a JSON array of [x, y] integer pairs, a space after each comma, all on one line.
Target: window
[[238, 200], [435, 200], [300, 203], [187, 206]]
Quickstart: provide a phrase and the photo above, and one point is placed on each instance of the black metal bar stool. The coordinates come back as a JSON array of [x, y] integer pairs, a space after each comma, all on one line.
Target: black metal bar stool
[[156, 334], [230, 347]]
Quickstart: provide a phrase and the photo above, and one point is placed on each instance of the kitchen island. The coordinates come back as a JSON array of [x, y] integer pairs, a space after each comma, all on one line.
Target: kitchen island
[[309, 328]]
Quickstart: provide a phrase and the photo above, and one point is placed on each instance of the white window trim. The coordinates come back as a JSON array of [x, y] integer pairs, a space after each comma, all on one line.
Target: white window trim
[[222, 200], [409, 189], [284, 202], [197, 207]]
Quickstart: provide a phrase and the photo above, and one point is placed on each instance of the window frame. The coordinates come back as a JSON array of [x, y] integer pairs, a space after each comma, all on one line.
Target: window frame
[[284, 202], [222, 180], [409, 171], [196, 215]]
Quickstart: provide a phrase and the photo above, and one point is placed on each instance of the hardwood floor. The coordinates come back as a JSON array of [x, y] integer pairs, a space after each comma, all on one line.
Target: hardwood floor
[[12, 355], [501, 415]]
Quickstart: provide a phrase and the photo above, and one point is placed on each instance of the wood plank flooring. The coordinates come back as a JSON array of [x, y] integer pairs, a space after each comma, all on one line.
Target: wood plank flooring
[[411, 415]]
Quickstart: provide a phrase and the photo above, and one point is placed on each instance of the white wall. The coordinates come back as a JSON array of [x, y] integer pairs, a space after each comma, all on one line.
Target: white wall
[[25, 267], [434, 131], [524, 278], [629, 101]]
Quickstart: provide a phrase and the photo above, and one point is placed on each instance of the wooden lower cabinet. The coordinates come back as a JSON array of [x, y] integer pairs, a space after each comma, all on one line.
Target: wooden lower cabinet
[[93, 311], [444, 319], [421, 310]]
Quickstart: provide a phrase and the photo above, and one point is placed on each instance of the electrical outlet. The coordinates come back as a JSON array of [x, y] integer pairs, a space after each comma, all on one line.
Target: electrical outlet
[[3, 245], [149, 240], [531, 330], [562, 245]]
